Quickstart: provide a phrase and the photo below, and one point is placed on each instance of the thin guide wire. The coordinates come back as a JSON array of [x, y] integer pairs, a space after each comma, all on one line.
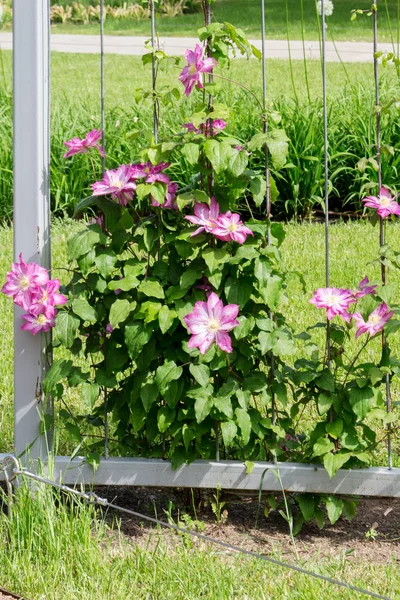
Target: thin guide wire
[[382, 226], [154, 71], [13, 468], [326, 172], [267, 170], [102, 86]]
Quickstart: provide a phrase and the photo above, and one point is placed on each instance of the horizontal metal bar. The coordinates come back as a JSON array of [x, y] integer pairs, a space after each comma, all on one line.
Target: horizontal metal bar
[[295, 477]]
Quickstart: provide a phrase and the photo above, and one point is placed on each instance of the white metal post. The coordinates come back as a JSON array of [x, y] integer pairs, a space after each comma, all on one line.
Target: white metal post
[[31, 204]]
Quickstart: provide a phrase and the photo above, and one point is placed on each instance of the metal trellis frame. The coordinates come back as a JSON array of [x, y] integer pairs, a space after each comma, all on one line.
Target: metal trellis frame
[[32, 238]]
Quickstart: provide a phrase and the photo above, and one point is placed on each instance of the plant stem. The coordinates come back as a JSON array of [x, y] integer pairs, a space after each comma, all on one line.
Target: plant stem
[[354, 360], [290, 54]]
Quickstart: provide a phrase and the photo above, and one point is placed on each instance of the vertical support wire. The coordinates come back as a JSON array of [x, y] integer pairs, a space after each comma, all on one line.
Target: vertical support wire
[[207, 20], [266, 158], [154, 70], [326, 172], [382, 226], [103, 168], [102, 86]]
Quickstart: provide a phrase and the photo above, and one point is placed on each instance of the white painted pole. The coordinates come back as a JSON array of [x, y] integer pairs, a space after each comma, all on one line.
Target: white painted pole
[[31, 205]]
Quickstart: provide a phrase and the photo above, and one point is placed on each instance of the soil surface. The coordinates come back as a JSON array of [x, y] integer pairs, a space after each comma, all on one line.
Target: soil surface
[[5, 596], [374, 533]]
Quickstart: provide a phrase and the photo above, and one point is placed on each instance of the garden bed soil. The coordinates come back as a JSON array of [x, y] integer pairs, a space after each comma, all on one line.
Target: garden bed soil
[[4, 595], [374, 533]]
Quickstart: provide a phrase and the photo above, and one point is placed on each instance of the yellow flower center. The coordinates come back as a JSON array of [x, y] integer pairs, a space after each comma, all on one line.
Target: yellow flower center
[[374, 319], [44, 297], [41, 319], [232, 227], [23, 283], [192, 69], [214, 324], [334, 299], [384, 200]]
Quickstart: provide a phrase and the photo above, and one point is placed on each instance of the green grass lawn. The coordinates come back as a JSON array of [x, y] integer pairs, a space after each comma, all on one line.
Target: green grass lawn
[[59, 550], [246, 14]]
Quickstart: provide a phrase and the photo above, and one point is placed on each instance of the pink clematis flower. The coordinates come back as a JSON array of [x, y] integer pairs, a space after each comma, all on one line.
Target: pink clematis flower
[[151, 173], [78, 146], [336, 301], [116, 182], [170, 198], [40, 322], [217, 126], [204, 285], [384, 204], [229, 228], [376, 320], [22, 282], [364, 289], [205, 216], [210, 322], [99, 220], [46, 296], [192, 74]]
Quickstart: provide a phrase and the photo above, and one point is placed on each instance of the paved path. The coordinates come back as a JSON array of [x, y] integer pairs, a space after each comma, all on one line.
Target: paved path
[[89, 44]]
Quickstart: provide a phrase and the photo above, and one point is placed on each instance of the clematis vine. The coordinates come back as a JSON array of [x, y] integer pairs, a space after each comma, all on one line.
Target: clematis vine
[[205, 216], [29, 285], [43, 321], [78, 146], [23, 281], [117, 183], [210, 322], [170, 198], [336, 301], [229, 228], [384, 204], [151, 173], [364, 289], [217, 126], [192, 74], [376, 320]]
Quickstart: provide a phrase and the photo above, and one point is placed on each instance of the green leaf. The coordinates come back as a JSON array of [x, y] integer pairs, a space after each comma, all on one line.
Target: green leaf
[[119, 311], [333, 462], [224, 405], [83, 242], [258, 141], [324, 402], [84, 310], [258, 189], [151, 287], [137, 334], [126, 284], [246, 325], [229, 431], [90, 393], [361, 400], [58, 371], [148, 395], [66, 328], [334, 429], [191, 152], [334, 508], [238, 291], [167, 372], [256, 383], [166, 317], [74, 431], [165, 418], [322, 446], [238, 163], [105, 261], [215, 259], [278, 146], [138, 416], [201, 374], [267, 341], [325, 381], [307, 506], [202, 407], [249, 466], [149, 311], [349, 509], [219, 154], [375, 375], [244, 422]]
